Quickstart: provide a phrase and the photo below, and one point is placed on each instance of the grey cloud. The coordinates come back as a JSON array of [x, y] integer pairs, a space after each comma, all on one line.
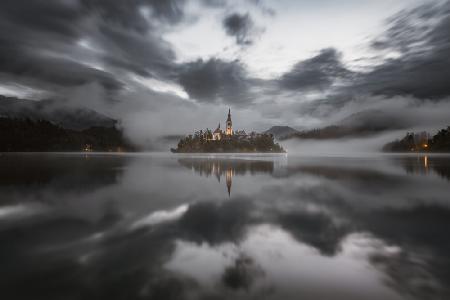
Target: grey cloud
[[422, 37], [215, 79], [170, 10], [36, 68], [263, 7], [215, 3], [409, 30], [39, 48], [129, 14], [239, 26], [316, 73], [40, 41], [424, 77], [57, 17], [146, 55]]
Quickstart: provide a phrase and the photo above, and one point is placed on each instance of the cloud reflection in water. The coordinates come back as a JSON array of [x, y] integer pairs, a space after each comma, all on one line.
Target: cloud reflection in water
[[363, 228]]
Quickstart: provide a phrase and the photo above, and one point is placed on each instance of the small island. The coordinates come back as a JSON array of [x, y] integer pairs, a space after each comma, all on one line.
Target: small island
[[228, 141]]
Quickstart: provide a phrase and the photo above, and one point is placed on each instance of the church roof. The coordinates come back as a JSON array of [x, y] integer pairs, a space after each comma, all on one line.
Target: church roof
[[218, 129]]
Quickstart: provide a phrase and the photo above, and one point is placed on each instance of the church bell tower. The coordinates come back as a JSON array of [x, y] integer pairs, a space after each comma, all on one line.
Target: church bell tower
[[229, 130]]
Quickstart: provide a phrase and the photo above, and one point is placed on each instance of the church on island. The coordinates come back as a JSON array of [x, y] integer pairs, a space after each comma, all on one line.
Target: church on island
[[218, 134], [227, 141]]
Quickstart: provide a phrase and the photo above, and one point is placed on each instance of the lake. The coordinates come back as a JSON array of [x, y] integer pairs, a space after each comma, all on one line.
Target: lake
[[163, 226]]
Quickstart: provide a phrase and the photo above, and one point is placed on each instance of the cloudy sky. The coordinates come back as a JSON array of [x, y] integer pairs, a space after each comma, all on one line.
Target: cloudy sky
[[172, 66]]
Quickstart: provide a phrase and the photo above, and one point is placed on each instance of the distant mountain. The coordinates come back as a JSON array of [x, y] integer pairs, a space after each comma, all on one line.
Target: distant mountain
[[333, 132], [360, 124], [76, 118], [373, 120], [280, 132]]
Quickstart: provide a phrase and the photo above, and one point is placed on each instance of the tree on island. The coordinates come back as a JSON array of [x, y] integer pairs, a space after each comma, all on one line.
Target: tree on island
[[202, 142]]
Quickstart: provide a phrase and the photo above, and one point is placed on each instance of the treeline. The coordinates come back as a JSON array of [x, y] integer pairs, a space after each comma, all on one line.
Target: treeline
[[334, 132], [440, 142], [25, 135], [198, 143]]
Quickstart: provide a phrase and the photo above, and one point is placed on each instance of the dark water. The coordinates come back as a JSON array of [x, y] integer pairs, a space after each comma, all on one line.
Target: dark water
[[252, 227]]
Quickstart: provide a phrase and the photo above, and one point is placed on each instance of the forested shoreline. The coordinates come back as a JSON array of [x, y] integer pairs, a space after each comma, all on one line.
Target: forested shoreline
[[25, 135]]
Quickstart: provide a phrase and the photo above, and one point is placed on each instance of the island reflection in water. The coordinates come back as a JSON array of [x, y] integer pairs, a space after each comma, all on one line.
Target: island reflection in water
[[148, 227], [228, 168]]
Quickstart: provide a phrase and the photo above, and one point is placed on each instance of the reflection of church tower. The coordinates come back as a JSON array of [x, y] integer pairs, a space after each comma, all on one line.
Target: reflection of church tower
[[229, 177], [229, 130]]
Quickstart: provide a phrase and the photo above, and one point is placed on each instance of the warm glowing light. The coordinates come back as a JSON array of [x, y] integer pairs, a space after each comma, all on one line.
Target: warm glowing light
[[425, 161], [425, 145]]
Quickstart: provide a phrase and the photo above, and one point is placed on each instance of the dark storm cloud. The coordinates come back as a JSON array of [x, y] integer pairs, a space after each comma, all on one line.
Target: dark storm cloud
[[58, 17], [147, 55], [133, 42], [129, 14], [419, 71], [316, 73], [56, 45], [239, 26], [31, 66], [409, 30], [215, 3], [40, 41], [31, 32], [215, 79], [420, 76], [422, 38]]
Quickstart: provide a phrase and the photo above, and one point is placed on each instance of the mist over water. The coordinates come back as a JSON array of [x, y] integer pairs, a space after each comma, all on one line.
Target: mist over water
[[349, 146], [160, 226]]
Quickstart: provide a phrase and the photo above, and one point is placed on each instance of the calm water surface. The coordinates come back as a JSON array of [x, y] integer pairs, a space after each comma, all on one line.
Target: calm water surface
[[160, 226]]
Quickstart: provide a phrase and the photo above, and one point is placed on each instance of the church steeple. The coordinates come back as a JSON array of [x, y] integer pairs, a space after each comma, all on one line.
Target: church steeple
[[229, 130]]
